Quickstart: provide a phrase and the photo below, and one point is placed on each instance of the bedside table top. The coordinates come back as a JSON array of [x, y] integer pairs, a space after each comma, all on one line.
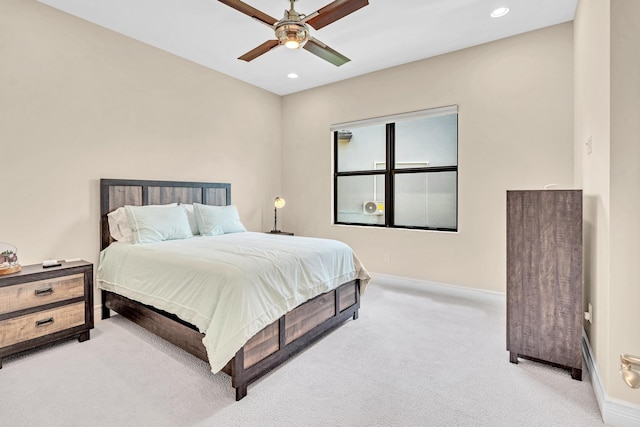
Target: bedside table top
[[37, 272], [282, 233]]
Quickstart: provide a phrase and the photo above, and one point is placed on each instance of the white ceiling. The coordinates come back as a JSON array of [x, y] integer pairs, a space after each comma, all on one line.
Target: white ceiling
[[383, 34]]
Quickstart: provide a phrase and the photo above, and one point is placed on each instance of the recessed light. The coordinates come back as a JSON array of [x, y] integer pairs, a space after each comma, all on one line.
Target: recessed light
[[292, 75], [501, 11]]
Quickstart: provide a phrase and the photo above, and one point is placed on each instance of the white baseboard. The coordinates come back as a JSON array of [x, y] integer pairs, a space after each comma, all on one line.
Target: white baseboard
[[615, 412], [440, 288]]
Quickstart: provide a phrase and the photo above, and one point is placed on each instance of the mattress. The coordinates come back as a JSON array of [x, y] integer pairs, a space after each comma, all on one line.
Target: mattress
[[229, 286]]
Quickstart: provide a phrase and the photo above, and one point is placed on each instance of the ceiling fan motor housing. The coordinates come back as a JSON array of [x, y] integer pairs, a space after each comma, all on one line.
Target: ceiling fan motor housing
[[290, 30], [294, 33]]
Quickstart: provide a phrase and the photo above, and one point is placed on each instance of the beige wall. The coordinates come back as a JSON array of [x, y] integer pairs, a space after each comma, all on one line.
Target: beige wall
[[625, 189], [515, 102], [607, 107], [592, 120], [79, 103]]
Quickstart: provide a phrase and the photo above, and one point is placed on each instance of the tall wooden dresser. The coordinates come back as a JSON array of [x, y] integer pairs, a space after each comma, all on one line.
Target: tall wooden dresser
[[544, 277], [39, 306]]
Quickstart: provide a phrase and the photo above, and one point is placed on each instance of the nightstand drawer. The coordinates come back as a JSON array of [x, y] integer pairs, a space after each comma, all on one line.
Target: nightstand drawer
[[24, 328], [41, 292]]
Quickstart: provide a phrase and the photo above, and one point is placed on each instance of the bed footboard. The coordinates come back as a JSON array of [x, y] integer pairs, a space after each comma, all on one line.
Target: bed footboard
[[268, 349]]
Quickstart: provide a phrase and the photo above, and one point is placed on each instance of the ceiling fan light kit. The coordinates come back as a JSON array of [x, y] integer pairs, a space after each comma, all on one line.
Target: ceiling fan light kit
[[293, 32], [293, 36]]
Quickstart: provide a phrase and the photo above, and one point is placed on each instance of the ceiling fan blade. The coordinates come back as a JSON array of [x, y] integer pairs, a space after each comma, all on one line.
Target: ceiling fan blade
[[323, 51], [263, 48], [334, 11], [249, 10]]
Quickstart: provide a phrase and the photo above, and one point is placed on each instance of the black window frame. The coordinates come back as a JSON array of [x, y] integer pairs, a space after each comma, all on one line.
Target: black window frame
[[390, 173]]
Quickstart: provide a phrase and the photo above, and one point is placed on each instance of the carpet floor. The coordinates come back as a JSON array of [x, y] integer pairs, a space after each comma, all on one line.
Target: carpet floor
[[413, 358]]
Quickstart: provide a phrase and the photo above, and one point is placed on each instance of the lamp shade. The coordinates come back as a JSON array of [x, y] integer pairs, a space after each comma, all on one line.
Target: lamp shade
[[279, 202]]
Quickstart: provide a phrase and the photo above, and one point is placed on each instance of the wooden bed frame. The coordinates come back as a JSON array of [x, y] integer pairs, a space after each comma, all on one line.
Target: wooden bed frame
[[266, 350]]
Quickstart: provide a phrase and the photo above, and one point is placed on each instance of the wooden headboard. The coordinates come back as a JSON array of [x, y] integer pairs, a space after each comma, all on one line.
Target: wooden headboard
[[115, 193]]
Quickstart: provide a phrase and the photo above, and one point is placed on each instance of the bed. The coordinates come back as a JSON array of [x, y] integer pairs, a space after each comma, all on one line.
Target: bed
[[299, 318]]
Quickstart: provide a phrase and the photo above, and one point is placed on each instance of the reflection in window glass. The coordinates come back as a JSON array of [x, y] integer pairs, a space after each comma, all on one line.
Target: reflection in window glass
[[365, 146], [356, 201], [426, 200], [431, 139]]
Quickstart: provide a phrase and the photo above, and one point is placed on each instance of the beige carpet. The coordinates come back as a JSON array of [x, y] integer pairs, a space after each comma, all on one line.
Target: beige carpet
[[413, 358]]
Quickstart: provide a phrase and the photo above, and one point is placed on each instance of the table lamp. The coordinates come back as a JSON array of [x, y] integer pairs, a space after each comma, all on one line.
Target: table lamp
[[279, 203]]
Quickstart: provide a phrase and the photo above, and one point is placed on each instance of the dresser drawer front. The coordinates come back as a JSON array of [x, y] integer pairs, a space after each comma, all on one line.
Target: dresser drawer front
[[34, 294], [30, 326]]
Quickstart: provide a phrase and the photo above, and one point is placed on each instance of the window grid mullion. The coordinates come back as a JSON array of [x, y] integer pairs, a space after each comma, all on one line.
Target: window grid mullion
[[388, 190], [335, 176], [361, 173]]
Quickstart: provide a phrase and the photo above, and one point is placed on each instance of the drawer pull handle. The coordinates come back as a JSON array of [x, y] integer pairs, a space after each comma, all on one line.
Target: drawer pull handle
[[43, 292], [44, 322]]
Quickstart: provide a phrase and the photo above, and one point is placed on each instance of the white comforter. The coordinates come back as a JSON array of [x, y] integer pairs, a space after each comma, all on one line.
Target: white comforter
[[229, 286]]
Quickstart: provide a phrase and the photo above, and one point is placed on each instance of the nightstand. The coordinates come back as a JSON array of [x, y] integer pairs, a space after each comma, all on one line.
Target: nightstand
[[282, 233], [42, 305]]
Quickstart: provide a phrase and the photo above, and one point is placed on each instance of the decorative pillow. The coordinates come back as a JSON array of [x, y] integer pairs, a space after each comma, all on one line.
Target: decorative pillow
[[216, 220], [158, 223], [192, 218]]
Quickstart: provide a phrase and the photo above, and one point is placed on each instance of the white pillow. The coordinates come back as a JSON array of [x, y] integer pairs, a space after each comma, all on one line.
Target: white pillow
[[216, 220], [119, 224], [192, 219], [158, 223]]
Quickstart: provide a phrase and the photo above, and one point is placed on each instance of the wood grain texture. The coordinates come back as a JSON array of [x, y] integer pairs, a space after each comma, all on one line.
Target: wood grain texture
[[301, 320], [10, 270], [347, 297], [124, 195], [262, 344], [217, 196], [40, 292], [165, 195], [544, 276], [24, 328]]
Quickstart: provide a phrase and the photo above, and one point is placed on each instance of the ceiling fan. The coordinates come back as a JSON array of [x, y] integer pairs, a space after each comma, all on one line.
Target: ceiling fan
[[292, 31]]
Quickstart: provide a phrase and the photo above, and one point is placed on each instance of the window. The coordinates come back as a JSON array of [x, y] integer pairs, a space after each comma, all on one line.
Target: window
[[399, 171]]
